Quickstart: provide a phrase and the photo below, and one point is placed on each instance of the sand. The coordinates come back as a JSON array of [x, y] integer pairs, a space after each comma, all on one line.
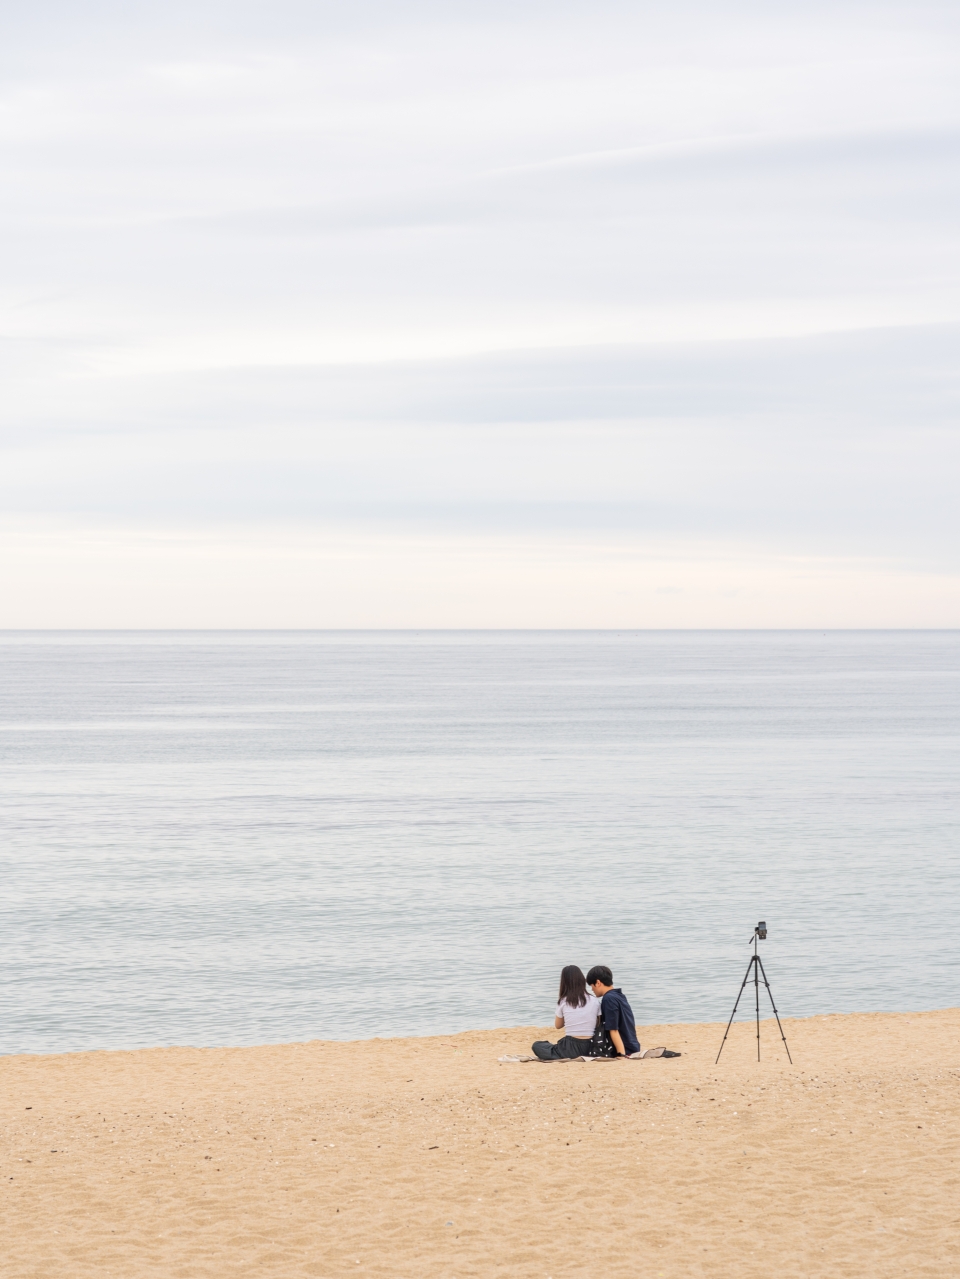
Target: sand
[[426, 1157]]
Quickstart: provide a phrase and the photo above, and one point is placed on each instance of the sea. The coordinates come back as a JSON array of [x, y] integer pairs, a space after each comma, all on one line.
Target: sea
[[233, 838]]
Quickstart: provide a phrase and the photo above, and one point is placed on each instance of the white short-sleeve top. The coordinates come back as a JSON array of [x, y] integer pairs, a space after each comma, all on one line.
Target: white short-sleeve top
[[580, 1021]]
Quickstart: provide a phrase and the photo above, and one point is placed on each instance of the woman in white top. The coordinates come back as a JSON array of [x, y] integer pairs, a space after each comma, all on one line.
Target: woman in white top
[[577, 1014]]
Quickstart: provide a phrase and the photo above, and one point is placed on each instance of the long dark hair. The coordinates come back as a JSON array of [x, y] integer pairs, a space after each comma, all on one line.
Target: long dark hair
[[573, 986]]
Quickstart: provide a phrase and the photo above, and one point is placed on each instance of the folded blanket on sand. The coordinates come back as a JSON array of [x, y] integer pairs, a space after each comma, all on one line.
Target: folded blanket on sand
[[650, 1052]]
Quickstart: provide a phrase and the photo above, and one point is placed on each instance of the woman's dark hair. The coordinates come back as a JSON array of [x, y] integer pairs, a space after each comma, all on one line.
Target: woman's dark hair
[[573, 986]]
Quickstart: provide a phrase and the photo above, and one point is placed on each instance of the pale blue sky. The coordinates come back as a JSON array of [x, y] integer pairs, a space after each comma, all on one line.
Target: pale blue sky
[[482, 315]]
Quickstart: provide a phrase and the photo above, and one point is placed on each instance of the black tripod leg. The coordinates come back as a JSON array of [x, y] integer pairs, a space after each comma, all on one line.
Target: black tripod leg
[[735, 1006], [774, 1007], [756, 994]]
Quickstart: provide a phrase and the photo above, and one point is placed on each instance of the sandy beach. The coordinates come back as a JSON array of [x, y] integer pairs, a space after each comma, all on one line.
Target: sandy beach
[[427, 1157]]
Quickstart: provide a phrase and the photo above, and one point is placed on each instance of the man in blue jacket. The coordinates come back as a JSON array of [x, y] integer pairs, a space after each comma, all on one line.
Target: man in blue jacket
[[615, 1009]]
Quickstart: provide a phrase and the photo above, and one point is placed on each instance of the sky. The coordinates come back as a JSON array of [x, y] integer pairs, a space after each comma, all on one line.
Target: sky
[[479, 315]]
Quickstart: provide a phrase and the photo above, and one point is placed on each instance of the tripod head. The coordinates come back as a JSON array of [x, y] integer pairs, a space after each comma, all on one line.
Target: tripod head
[[760, 932]]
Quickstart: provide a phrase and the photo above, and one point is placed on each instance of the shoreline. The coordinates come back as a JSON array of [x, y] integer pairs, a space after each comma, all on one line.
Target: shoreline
[[335, 1157], [543, 1032]]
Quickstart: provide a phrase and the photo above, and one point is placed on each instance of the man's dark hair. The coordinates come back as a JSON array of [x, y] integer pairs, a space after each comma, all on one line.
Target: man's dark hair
[[600, 972]]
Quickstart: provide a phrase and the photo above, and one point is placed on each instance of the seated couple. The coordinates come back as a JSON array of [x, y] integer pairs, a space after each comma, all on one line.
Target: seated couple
[[586, 1017]]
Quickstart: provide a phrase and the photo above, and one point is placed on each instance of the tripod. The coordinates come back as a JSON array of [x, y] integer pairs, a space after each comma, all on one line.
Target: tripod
[[756, 963]]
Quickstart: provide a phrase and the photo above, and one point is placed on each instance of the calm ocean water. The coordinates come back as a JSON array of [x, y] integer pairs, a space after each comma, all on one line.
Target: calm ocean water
[[236, 838]]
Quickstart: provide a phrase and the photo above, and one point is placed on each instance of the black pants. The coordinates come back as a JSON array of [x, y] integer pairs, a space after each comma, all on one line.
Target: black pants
[[563, 1049]]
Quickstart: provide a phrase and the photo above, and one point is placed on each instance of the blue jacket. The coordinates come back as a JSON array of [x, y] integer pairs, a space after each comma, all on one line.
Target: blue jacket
[[618, 1015]]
